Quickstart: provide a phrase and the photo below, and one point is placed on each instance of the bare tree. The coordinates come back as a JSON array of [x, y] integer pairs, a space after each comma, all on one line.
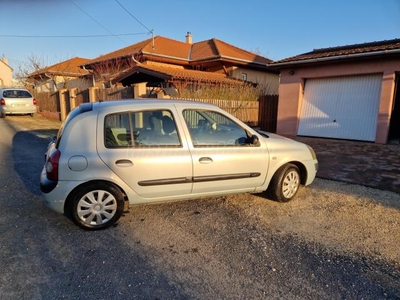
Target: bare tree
[[108, 70], [33, 63]]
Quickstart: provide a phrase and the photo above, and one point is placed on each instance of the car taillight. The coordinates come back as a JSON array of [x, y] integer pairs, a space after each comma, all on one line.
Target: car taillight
[[52, 165], [2, 102], [34, 101]]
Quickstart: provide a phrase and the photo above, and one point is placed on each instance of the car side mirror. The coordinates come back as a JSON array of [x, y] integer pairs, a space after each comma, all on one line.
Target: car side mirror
[[254, 140]]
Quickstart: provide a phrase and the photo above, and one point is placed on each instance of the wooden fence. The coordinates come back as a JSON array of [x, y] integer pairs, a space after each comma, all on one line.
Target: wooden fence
[[111, 94], [246, 111], [261, 113], [48, 101]]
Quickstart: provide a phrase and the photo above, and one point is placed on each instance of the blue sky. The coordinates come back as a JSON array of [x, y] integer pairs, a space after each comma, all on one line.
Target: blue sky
[[55, 30]]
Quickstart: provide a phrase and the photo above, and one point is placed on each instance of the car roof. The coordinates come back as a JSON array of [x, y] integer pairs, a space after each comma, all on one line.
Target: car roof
[[120, 104], [14, 88]]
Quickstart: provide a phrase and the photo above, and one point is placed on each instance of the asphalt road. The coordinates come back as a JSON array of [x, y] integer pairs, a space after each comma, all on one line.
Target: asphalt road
[[199, 249]]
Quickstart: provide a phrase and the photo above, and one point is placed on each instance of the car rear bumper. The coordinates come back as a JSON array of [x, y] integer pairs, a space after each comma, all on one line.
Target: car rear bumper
[[49, 189], [9, 110], [55, 193]]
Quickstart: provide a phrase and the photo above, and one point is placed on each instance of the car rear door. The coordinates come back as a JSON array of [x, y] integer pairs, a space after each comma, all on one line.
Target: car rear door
[[152, 159]]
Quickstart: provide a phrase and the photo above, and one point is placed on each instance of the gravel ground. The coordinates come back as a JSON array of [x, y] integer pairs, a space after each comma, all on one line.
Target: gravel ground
[[343, 217], [336, 218], [243, 244]]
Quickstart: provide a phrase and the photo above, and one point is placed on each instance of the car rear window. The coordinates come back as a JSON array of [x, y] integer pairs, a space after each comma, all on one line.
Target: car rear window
[[149, 128], [16, 94]]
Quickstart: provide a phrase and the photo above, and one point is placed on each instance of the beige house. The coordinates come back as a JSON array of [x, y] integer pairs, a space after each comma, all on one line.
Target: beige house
[[5, 73], [63, 75], [348, 92]]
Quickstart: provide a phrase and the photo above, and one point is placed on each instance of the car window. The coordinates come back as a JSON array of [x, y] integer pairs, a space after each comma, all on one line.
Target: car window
[[16, 94], [150, 128], [210, 128]]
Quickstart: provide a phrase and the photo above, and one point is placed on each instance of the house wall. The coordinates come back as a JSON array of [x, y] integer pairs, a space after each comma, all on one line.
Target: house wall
[[269, 81], [45, 86], [5, 74], [61, 82], [291, 90]]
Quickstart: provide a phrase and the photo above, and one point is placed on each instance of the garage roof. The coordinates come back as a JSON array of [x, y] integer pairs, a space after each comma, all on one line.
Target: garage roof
[[350, 51]]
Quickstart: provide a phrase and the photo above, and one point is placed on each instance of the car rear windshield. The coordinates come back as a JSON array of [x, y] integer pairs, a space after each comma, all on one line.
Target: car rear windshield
[[16, 94]]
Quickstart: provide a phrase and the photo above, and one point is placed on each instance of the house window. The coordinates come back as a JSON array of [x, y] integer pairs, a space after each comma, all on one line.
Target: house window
[[244, 76]]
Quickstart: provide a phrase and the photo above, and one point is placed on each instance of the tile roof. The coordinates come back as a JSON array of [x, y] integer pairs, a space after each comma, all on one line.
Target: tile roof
[[169, 73], [70, 67], [228, 51], [349, 51], [215, 48], [158, 45], [185, 52]]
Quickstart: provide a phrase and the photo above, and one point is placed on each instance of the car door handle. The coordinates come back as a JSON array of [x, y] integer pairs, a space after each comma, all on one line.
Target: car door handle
[[205, 160], [124, 163]]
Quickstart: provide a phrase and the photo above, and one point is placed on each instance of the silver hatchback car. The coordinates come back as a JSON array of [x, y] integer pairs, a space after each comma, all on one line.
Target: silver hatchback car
[[16, 101], [110, 154]]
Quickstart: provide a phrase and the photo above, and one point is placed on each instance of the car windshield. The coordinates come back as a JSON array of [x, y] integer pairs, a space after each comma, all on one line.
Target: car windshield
[[16, 94]]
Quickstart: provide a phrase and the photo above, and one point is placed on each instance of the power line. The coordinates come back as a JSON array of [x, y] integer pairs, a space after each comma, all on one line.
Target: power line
[[70, 36], [149, 30], [96, 21]]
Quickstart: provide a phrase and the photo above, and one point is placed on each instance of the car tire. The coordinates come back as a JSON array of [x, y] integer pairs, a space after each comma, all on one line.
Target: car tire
[[284, 184], [95, 206]]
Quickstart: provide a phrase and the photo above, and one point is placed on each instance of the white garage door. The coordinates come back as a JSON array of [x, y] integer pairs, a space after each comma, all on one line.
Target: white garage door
[[341, 107]]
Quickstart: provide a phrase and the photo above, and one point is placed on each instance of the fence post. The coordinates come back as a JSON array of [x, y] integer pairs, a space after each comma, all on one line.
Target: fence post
[[72, 97], [139, 90], [92, 94], [63, 103]]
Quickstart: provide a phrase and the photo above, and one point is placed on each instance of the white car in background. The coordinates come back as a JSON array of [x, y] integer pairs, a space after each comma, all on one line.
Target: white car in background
[[16, 101], [109, 154]]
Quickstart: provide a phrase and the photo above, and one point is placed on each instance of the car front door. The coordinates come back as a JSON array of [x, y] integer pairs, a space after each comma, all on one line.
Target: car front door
[[145, 149], [224, 157]]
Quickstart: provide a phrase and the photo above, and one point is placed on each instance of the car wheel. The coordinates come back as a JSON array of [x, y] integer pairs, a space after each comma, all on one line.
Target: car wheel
[[284, 184], [96, 206], [33, 115]]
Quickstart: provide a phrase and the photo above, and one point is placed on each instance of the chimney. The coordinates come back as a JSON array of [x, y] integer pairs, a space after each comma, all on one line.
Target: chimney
[[189, 38]]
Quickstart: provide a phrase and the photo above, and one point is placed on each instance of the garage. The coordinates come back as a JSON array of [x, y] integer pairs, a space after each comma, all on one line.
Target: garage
[[341, 107]]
